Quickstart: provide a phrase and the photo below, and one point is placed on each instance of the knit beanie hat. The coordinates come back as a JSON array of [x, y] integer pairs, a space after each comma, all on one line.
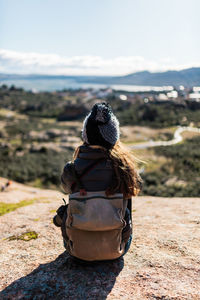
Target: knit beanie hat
[[101, 127]]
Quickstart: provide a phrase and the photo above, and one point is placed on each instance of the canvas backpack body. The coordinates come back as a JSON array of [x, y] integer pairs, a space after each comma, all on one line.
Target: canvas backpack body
[[94, 225]]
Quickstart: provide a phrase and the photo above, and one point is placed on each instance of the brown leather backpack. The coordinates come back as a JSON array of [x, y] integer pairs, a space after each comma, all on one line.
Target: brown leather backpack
[[94, 223], [94, 226]]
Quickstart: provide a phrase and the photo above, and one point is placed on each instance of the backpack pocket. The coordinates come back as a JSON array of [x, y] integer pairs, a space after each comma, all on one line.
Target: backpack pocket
[[95, 245], [96, 212]]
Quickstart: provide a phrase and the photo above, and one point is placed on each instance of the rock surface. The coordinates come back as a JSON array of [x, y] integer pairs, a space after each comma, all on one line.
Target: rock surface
[[162, 263]]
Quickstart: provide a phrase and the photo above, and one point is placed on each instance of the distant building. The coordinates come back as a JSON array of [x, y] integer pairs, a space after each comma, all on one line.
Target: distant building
[[194, 96], [172, 95], [162, 97], [103, 93], [196, 89], [123, 97], [181, 87]]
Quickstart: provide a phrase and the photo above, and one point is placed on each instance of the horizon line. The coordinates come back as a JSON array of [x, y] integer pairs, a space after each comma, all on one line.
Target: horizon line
[[77, 75]]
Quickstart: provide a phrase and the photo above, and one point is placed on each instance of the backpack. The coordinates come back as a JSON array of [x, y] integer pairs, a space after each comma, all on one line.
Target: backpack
[[94, 223]]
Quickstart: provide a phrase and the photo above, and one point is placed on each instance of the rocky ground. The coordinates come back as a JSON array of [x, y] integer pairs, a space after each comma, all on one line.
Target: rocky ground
[[162, 263]]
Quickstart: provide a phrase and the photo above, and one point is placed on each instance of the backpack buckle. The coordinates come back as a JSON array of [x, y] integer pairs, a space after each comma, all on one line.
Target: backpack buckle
[[83, 192]]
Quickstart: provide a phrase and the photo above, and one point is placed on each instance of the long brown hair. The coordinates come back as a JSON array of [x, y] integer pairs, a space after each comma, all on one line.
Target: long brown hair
[[126, 179]]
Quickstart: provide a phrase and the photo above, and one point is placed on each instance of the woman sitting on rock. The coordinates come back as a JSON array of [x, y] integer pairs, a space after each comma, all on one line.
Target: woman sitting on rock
[[96, 224]]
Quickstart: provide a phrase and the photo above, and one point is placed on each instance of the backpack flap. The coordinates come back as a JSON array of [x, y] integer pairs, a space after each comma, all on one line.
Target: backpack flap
[[95, 212]]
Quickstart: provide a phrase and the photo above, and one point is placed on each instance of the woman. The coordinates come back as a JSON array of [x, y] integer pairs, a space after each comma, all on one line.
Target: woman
[[101, 180]]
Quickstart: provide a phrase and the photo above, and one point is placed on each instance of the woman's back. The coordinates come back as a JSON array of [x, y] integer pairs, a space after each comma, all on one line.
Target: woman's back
[[100, 180], [100, 171]]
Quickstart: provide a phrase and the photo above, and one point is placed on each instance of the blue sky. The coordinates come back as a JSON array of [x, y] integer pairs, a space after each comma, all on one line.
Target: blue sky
[[98, 37]]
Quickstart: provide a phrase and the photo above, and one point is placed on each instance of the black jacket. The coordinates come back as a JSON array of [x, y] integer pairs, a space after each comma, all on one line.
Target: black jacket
[[97, 179]]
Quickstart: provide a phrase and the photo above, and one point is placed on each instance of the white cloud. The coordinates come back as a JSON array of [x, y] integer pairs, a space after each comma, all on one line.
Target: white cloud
[[30, 63]]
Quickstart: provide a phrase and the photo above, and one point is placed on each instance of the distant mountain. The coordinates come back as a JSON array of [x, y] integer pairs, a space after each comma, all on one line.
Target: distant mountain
[[188, 77]]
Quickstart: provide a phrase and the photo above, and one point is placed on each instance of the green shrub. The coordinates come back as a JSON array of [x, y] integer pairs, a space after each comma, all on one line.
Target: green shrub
[[45, 166], [184, 164]]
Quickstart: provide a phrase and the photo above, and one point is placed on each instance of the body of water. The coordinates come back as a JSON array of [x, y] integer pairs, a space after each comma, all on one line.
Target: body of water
[[60, 84]]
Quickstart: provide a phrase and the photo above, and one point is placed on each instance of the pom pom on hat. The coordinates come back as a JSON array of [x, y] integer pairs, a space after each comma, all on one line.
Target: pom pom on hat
[[100, 126]]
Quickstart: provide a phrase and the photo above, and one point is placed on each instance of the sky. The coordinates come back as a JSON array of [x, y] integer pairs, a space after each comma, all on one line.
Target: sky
[[98, 37]]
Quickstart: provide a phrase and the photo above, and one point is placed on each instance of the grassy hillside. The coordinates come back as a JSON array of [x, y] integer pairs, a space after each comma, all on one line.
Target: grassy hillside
[[35, 145], [179, 174]]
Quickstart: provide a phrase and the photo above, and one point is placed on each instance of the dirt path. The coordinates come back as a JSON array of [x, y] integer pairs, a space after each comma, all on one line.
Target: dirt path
[[176, 139], [162, 263]]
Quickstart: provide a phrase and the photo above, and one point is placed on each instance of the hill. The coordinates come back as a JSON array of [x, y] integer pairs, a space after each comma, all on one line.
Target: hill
[[187, 77], [162, 263]]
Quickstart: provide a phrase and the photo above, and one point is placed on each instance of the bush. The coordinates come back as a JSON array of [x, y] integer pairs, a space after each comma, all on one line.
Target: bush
[[184, 165], [31, 166]]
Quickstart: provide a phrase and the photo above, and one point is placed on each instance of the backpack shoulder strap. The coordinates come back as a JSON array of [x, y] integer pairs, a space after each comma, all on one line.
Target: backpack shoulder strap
[[85, 171], [129, 206]]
